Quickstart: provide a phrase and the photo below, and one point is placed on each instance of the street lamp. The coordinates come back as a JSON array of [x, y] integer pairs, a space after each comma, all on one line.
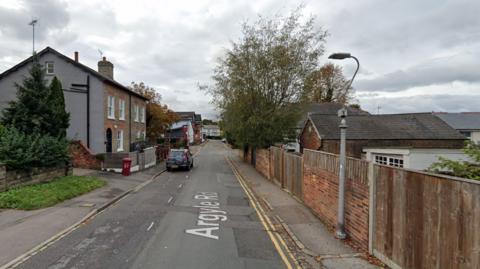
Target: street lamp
[[342, 113]]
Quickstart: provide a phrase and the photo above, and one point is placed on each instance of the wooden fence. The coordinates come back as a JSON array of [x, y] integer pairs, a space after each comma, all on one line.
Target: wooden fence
[[423, 220], [276, 159], [293, 174], [355, 169]]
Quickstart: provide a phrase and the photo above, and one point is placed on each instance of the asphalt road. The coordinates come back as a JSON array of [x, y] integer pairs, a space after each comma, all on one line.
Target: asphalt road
[[203, 218]]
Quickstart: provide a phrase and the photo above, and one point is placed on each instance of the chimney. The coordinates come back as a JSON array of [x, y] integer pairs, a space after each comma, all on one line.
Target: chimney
[[105, 68], [76, 56]]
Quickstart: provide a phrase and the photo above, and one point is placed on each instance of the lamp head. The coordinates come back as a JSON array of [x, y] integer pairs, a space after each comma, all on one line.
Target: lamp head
[[339, 56]]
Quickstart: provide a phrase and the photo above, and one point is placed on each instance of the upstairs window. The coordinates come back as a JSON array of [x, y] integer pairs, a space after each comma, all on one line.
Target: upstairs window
[[142, 115], [121, 109], [136, 113], [111, 109], [49, 68]]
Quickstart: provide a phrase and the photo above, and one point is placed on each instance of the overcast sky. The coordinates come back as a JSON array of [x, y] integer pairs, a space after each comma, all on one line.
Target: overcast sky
[[415, 56]]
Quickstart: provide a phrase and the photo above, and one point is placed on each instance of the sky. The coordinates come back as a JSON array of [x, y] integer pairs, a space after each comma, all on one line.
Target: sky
[[415, 56]]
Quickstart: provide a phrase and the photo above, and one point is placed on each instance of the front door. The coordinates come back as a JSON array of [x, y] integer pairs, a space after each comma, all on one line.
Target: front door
[[108, 140]]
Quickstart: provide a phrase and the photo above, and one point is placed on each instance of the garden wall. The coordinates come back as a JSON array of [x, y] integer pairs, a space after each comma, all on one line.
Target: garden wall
[[14, 179], [83, 157]]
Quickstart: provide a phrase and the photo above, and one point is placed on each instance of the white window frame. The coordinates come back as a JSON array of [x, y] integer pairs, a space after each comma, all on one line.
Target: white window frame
[[390, 161], [136, 113], [47, 68], [120, 140], [111, 107], [121, 109], [144, 135], [138, 134], [142, 115]]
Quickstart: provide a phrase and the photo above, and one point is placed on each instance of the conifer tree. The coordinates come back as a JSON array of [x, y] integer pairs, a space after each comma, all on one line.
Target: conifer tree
[[58, 100], [37, 109]]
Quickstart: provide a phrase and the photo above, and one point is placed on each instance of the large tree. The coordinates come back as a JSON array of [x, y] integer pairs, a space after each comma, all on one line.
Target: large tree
[[328, 84], [38, 108], [159, 117], [259, 82]]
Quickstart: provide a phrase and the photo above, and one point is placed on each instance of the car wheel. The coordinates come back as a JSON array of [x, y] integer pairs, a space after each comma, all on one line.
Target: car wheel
[[188, 167], [169, 169]]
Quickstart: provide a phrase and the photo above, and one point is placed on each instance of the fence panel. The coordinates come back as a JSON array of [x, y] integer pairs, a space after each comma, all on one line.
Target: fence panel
[[277, 161], [426, 221], [293, 173]]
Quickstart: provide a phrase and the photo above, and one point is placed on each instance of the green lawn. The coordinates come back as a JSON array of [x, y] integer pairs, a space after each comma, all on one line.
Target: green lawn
[[50, 193]]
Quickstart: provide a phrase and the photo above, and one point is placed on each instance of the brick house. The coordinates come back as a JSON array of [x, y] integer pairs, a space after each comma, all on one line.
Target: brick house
[[386, 139], [105, 115]]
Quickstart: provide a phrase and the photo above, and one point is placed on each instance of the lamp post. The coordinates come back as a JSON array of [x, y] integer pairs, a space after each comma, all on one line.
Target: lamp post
[[342, 113]]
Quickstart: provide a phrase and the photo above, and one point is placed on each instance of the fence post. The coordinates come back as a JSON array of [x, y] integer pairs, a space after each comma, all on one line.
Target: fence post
[[371, 210]]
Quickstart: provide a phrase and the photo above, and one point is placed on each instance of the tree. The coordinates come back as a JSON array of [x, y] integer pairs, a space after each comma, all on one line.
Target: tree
[[259, 82], [207, 122], [328, 84], [159, 117], [37, 108], [464, 168], [58, 99]]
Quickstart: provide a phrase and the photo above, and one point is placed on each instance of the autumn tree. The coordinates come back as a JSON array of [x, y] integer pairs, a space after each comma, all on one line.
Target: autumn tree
[[328, 84], [159, 117], [258, 83]]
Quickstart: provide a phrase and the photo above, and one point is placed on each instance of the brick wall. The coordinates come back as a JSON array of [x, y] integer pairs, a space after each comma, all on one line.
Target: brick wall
[[263, 161], [83, 157], [13, 179], [309, 137], [320, 193]]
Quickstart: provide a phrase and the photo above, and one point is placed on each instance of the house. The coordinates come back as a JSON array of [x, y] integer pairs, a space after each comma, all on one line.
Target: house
[[104, 114], [403, 140], [192, 124], [467, 123], [320, 108], [211, 130]]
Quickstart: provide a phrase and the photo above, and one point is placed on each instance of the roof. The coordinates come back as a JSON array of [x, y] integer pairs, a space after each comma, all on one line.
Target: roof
[[332, 109], [211, 127], [418, 126], [179, 124], [77, 64], [190, 114], [198, 117], [461, 121], [327, 109]]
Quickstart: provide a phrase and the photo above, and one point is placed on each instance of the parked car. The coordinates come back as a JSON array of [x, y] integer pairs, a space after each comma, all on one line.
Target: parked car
[[179, 158], [224, 140]]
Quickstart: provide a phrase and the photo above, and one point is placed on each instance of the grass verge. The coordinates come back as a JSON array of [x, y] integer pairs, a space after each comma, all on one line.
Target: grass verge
[[50, 193]]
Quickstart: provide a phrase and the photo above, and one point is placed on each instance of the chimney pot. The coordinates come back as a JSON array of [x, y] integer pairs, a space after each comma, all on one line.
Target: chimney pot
[[104, 59], [76, 56]]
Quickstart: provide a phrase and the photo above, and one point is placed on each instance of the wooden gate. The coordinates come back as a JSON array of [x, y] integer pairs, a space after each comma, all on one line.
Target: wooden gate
[[276, 158], [293, 174]]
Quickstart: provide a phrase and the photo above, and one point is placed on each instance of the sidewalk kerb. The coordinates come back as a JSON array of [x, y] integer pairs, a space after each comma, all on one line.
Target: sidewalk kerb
[[268, 204], [20, 259], [299, 244]]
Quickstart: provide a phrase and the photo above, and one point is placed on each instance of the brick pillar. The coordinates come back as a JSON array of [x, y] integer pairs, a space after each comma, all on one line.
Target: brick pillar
[[3, 174], [69, 166]]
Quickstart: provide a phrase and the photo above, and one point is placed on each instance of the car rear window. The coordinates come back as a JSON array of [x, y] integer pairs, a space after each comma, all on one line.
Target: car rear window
[[176, 153]]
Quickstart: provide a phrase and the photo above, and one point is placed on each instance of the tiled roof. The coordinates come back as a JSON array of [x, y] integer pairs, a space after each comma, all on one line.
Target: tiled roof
[[461, 121], [386, 127], [79, 65], [332, 109], [186, 114]]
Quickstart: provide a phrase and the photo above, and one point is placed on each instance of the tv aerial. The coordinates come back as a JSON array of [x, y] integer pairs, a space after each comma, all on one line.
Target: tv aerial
[[33, 23], [101, 54]]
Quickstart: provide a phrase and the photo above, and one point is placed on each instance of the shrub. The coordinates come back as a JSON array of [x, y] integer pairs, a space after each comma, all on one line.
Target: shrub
[[21, 151], [465, 168]]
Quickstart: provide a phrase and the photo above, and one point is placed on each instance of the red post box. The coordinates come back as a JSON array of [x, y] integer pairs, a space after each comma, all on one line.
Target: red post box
[[127, 163]]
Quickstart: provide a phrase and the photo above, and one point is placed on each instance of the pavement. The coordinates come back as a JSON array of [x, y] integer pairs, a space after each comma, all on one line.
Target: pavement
[[23, 233]]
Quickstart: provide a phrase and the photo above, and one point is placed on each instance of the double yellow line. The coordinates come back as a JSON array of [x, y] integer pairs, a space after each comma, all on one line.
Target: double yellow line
[[274, 236]]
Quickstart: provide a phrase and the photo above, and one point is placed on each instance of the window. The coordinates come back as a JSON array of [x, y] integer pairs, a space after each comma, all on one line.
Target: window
[[136, 113], [111, 109], [49, 68], [144, 135], [120, 140], [390, 161], [138, 134], [467, 134], [142, 116], [121, 109]]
